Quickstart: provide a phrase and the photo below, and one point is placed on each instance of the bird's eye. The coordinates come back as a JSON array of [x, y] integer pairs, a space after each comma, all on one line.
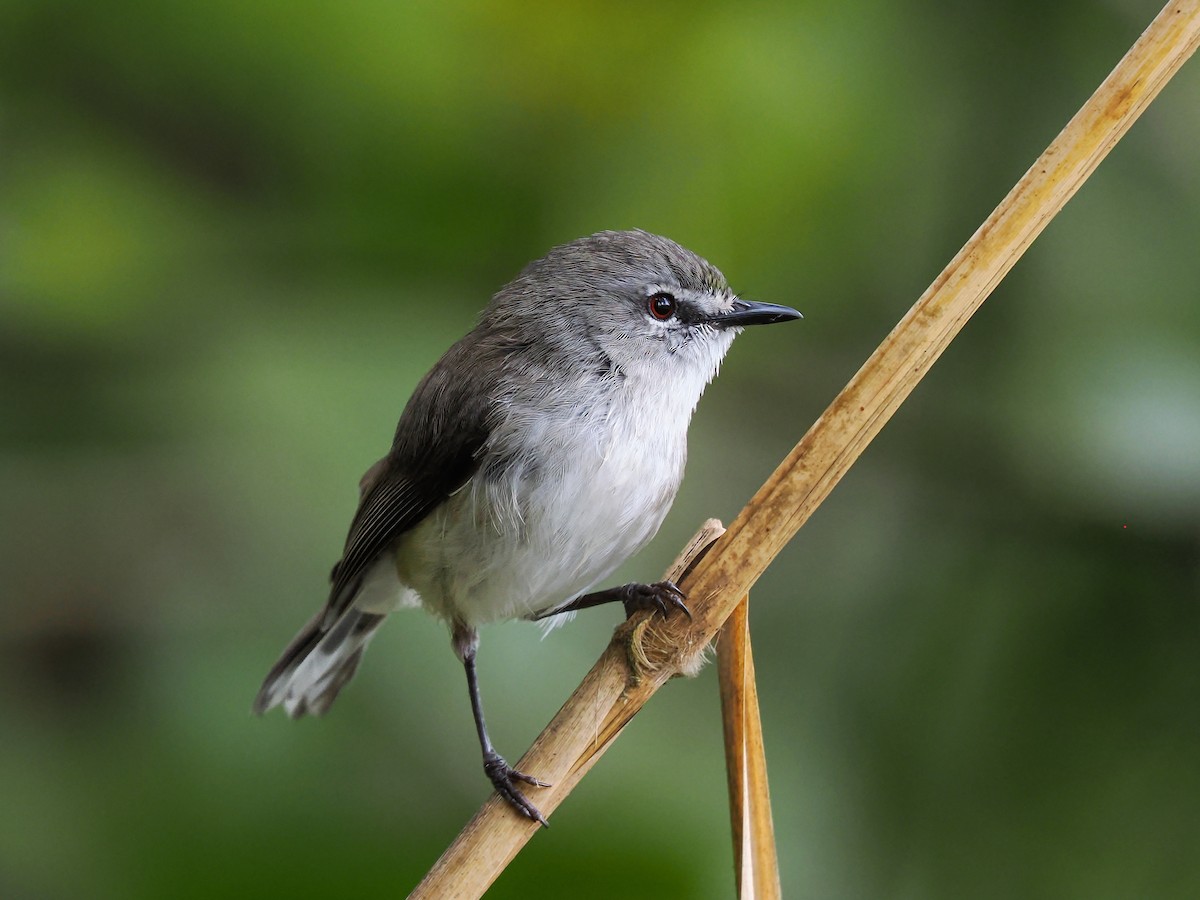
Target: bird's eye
[[661, 305]]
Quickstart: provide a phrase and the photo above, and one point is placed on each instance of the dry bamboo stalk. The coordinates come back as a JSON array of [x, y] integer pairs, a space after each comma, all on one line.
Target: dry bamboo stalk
[[756, 864], [606, 700]]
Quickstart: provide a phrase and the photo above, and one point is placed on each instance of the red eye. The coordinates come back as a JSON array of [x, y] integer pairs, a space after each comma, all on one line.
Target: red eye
[[661, 306]]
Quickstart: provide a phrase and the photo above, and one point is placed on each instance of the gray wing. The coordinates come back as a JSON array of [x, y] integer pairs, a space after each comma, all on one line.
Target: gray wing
[[397, 502]]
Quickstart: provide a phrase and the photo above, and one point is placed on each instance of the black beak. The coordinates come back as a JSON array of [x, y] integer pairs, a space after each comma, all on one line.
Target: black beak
[[750, 312]]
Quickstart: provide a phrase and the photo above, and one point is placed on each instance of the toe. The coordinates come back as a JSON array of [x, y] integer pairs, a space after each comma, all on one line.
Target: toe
[[672, 588], [528, 779], [521, 804]]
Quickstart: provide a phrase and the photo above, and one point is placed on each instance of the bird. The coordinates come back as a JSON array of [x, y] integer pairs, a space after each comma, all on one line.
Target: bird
[[539, 453]]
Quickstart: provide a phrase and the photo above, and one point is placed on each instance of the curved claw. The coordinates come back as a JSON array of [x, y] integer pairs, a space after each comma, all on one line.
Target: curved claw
[[502, 776], [675, 596]]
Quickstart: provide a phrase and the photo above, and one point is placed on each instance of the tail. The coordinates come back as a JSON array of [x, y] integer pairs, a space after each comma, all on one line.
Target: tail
[[317, 664]]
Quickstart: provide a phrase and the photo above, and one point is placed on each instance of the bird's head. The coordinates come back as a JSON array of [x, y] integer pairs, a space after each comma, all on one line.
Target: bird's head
[[646, 304]]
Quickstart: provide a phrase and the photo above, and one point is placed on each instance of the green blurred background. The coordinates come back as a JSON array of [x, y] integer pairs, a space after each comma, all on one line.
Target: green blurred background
[[233, 236]]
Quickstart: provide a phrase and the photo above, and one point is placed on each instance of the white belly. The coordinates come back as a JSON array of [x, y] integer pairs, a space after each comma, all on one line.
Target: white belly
[[591, 496]]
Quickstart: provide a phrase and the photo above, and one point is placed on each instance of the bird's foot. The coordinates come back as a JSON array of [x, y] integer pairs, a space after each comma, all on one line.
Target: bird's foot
[[502, 775], [661, 597]]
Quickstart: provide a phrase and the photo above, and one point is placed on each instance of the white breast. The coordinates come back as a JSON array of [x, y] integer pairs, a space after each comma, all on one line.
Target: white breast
[[591, 487]]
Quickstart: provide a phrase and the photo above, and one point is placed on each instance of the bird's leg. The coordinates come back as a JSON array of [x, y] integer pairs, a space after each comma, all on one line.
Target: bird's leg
[[663, 596], [498, 771]]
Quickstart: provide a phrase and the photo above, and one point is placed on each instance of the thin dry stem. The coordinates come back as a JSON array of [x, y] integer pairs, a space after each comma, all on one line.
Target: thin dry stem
[[607, 698], [756, 864]]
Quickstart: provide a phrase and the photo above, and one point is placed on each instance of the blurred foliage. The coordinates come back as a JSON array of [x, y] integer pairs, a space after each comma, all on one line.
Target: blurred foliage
[[233, 236]]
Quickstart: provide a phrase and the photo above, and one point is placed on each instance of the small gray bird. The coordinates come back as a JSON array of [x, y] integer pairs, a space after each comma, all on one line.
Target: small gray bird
[[538, 454]]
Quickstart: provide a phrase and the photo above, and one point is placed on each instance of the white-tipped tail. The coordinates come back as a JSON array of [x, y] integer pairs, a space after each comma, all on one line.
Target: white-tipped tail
[[317, 664]]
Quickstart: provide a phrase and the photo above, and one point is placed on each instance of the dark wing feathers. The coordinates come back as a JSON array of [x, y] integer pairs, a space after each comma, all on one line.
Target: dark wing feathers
[[399, 502], [384, 512], [435, 452]]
